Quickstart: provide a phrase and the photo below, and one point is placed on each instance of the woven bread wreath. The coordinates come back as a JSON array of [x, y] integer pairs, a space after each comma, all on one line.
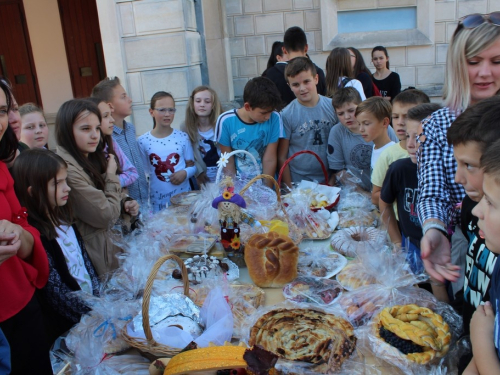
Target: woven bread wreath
[[418, 324]]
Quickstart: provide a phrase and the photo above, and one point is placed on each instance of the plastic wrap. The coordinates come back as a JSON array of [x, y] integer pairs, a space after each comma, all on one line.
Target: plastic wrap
[[320, 262], [349, 241], [356, 209], [315, 290], [421, 298]]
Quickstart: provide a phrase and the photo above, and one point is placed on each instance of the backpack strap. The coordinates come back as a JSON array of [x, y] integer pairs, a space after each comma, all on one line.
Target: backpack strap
[[345, 81]]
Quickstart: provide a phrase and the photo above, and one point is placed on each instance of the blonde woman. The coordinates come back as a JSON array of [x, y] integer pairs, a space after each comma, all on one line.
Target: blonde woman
[[201, 115], [472, 74]]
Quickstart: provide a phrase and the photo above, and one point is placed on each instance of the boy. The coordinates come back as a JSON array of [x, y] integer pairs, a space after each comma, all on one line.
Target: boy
[[255, 127], [470, 134], [346, 148], [401, 186], [307, 121], [374, 116], [485, 328], [294, 45], [400, 105], [111, 91]]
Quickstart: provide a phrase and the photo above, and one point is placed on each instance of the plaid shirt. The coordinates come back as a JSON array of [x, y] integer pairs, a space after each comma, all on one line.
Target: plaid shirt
[[439, 193], [126, 139]]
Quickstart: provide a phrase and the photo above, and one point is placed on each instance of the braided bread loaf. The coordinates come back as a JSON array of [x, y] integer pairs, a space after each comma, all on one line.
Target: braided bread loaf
[[419, 325], [271, 259]]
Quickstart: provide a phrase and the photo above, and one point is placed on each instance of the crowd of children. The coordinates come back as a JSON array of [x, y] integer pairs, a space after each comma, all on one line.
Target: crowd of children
[[434, 173]]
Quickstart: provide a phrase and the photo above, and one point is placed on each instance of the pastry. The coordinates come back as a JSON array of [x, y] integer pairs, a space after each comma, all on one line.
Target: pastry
[[348, 241], [416, 333], [354, 276], [271, 259], [362, 304], [312, 290], [305, 335]]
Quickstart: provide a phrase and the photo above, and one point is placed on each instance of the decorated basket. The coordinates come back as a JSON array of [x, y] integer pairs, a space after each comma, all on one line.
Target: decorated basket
[[149, 347], [323, 168]]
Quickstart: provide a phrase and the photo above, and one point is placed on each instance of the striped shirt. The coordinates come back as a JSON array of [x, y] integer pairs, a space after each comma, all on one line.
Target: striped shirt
[[126, 139]]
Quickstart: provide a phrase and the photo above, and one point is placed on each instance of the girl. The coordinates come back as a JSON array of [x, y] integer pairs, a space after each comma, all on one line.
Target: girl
[[41, 186], [339, 73], [472, 74], [23, 265], [387, 82], [277, 55], [125, 170], [165, 151], [362, 73], [96, 191], [202, 112], [34, 129]]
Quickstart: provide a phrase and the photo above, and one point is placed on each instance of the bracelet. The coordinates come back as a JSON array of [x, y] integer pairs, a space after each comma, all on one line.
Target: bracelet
[[437, 226]]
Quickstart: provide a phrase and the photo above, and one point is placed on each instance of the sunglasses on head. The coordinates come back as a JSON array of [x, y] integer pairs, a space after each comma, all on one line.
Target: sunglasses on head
[[474, 20]]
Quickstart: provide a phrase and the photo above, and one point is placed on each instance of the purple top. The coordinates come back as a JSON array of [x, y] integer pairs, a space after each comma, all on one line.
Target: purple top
[[129, 172]]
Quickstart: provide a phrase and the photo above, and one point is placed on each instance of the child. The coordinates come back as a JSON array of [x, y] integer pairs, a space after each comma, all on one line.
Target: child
[[339, 72], [387, 82], [42, 188], [96, 191], [374, 116], [470, 134], [485, 328], [400, 106], [111, 91], [202, 112], [277, 56], [125, 169], [165, 151], [34, 129], [401, 186], [307, 121], [346, 148], [294, 45], [255, 127]]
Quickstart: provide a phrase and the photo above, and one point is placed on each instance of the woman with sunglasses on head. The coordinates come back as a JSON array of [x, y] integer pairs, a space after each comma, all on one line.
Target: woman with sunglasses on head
[[472, 74], [166, 153]]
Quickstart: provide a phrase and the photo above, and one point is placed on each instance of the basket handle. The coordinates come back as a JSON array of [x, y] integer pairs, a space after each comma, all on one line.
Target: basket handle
[[280, 175], [276, 188], [149, 287], [219, 171]]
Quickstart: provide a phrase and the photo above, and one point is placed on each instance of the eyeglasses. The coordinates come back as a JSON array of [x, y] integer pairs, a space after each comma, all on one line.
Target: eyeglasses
[[164, 111], [472, 21]]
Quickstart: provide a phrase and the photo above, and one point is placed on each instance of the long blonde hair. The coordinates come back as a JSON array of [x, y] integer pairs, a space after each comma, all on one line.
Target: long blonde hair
[[338, 65], [465, 44], [191, 120]]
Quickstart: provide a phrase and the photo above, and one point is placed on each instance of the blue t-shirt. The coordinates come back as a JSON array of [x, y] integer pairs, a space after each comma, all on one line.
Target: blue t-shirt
[[495, 303], [232, 131]]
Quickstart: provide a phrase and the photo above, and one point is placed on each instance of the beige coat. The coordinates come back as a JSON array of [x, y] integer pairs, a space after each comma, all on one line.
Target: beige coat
[[96, 211]]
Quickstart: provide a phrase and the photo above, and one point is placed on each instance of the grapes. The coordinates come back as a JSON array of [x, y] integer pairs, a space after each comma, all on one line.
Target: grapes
[[404, 346]]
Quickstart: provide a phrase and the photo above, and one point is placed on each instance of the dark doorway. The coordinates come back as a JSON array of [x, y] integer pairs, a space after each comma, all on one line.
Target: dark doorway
[[16, 58], [82, 39]]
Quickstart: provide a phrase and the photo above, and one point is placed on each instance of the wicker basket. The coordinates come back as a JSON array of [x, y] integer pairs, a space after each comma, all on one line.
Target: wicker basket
[[297, 236], [323, 168], [150, 346]]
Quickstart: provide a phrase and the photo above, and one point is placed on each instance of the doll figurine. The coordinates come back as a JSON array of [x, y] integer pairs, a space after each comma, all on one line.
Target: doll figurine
[[229, 206]]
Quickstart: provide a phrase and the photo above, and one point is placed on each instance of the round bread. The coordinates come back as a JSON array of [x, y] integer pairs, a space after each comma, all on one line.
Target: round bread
[[271, 259], [354, 276], [419, 325], [305, 335], [347, 241]]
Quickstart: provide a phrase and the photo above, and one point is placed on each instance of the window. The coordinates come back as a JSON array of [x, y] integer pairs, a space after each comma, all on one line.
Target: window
[[377, 20]]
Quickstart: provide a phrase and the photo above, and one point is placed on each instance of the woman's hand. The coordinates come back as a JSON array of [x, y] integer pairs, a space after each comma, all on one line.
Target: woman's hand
[[14, 240], [178, 177], [131, 207], [112, 166]]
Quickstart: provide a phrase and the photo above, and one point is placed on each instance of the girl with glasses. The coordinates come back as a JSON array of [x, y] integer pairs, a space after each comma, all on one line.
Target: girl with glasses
[[166, 152]]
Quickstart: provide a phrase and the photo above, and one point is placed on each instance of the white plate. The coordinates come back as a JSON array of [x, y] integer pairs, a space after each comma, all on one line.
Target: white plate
[[334, 263]]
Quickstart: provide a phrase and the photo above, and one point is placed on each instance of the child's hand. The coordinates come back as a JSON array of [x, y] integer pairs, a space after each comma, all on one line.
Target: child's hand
[[482, 324], [202, 179], [131, 207], [189, 163], [112, 167], [178, 177]]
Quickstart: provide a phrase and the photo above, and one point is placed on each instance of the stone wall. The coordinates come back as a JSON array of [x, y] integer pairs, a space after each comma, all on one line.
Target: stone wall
[[253, 26]]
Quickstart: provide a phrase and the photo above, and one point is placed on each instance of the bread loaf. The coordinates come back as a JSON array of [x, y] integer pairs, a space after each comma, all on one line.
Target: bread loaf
[[271, 259]]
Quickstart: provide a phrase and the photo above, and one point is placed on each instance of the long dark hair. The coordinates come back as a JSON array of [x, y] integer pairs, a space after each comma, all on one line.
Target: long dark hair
[[36, 168], [384, 50], [106, 140], [338, 65], [95, 164], [157, 96], [359, 65], [276, 49], [9, 142]]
